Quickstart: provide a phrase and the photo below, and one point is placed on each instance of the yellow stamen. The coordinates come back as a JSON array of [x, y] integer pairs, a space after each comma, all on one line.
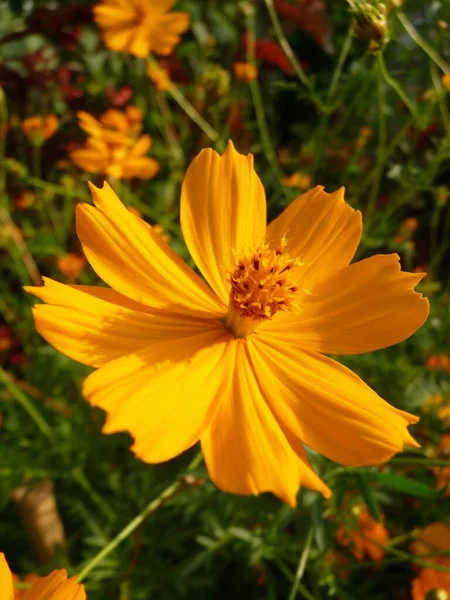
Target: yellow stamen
[[261, 285]]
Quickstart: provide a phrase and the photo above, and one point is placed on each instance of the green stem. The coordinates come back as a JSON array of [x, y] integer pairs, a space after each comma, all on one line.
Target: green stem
[[3, 127], [406, 556], [396, 86], [151, 508], [191, 112], [419, 40], [301, 565], [340, 63], [266, 140], [382, 139], [426, 462], [26, 404], [291, 577], [286, 46], [169, 131], [46, 430]]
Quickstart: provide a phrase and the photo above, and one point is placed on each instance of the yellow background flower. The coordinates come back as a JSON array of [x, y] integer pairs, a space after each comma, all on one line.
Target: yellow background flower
[[140, 27], [38, 128], [114, 146]]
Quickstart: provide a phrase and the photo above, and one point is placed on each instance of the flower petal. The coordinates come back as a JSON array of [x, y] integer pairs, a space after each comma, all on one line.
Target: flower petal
[[97, 325], [6, 582], [246, 451], [327, 406], [56, 586], [223, 213], [321, 228], [134, 260], [164, 395], [167, 34], [363, 307]]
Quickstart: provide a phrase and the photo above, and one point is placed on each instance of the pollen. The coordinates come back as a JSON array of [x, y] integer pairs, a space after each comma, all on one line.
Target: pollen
[[261, 285]]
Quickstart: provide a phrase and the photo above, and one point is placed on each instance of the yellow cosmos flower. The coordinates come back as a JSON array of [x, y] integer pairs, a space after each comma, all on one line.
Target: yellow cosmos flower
[[140, 27], [239, 365], [55, 586], [114, 147], [38, 128], [114, 126]]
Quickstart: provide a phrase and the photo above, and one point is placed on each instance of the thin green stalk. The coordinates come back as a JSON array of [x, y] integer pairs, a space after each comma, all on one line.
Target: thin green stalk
[[46, 430], [395, 141], [36, 160], [266, 140], [291, 577], [340, 63], [3, 127], [396, 86], [286, 46], [419, 40], [151, 508], [426, 462], [171, 137], [191, 112], [26, 404], [441, 99], [301, 565], [406, 556], [382, 140]]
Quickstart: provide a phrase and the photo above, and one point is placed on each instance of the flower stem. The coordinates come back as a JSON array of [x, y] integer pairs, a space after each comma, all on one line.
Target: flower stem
[[151, 508], [301, 565], [46, 430], [340, 63], [191, 112], [396, 86], [26, 404], [286, 46], [382, 139], [426, 462], [416, 37], [255, 90]]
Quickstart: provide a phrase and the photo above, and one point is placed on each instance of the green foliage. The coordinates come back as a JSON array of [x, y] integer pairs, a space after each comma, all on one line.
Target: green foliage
[[377, 123]]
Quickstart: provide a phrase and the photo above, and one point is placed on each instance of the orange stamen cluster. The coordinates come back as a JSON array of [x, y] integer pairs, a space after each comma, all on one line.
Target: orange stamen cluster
[[264, 283]]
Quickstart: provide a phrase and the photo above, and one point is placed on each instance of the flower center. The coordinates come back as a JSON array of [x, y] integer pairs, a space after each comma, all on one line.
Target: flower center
[[261, 285], [437, 594]]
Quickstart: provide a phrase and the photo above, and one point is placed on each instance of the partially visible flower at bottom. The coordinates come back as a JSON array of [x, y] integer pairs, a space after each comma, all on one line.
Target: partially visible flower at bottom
[[254, 342], [431, 585], [363, 535], [55, 586], [433, 539]]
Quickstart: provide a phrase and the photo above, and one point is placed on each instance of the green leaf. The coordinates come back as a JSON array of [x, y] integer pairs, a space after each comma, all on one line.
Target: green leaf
[[404, 484], [362, 478]]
